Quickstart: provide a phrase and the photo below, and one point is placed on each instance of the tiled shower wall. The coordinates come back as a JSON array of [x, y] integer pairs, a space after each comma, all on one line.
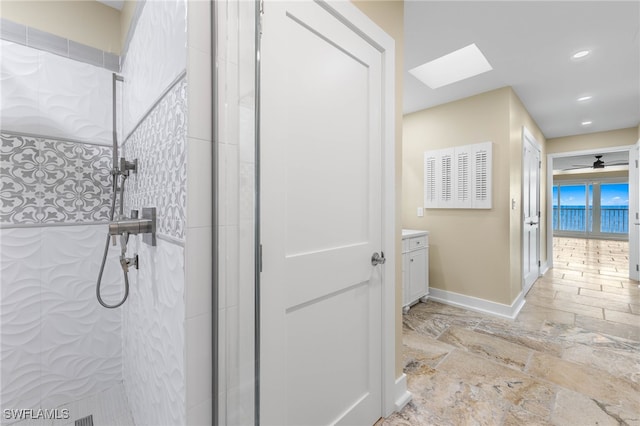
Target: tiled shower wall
[[236, 194], [166, 361], [155, 133], [57, 344]]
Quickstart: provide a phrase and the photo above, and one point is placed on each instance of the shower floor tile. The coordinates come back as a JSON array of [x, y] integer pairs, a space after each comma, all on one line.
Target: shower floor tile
[[109, 408]]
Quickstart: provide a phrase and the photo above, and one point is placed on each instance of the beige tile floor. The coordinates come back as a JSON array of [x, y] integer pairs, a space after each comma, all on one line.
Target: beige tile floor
[[572, 356]]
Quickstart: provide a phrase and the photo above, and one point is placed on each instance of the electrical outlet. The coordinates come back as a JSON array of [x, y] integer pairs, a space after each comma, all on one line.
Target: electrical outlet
[[420, 211]]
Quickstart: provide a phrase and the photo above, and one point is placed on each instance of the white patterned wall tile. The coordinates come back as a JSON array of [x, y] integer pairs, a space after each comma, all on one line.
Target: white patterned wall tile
[[159, 144], [75, 100], [21, 251], [20, 70], [156, 56], [58, 345], [153, 353], [49, 181], [46, 94], [91, 359]]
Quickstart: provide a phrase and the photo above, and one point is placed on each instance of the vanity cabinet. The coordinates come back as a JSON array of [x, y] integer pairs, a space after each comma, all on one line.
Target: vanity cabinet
[[415, 267]]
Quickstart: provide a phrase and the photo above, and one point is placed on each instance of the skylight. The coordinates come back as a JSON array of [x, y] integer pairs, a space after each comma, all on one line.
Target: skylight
[[452, 67]]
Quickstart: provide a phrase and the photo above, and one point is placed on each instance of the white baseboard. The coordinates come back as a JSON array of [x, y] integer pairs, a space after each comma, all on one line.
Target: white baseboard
[[403, 396], [476, 304], [544, 268]]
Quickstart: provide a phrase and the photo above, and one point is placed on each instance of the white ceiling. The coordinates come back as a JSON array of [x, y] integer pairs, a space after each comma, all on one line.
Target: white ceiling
[[529, 44]]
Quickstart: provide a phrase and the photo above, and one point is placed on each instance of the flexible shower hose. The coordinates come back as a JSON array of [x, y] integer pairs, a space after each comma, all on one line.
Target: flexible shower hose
[[106, 246]]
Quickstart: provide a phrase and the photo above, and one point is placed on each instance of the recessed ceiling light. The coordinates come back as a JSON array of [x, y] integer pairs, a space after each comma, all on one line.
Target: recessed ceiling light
[[586, 123], [452, 67], [580, 54], [584, 98]]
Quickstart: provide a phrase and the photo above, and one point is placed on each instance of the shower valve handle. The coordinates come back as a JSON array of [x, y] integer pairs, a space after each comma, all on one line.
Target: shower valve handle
[[146, 226]]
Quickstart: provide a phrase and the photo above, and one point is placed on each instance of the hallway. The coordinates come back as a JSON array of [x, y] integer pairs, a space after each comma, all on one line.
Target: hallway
[[572, 357]]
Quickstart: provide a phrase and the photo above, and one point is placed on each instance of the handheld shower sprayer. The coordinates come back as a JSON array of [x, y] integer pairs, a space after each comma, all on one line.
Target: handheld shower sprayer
[[124, 226]]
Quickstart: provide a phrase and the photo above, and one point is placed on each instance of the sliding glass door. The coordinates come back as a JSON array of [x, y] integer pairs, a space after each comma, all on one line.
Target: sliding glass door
[[614, 208], [572, 208], [591, 209]]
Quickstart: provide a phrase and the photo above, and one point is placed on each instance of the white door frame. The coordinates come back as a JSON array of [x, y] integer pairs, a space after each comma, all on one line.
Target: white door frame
[[634, 210], [368, 30], [550, 158], [527, 135]]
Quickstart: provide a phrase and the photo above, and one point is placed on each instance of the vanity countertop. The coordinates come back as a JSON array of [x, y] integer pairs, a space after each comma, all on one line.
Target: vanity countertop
[[407, 233]]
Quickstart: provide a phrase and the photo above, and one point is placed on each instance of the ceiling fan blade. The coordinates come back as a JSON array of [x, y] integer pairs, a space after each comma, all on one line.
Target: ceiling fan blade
[[576, 167], [618, 163]]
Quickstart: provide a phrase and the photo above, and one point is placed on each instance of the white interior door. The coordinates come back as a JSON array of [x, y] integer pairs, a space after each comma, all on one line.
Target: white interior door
[[321, 204], [530, 211], [634, 213]]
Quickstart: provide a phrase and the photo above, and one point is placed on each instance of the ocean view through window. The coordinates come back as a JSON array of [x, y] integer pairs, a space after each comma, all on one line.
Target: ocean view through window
[[597, 208]]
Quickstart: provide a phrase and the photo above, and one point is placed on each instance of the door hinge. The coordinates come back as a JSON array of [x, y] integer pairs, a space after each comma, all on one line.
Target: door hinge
[[636, 164], [637, 267], [260, 258], [637, 215], [540, 164], [539, 264]]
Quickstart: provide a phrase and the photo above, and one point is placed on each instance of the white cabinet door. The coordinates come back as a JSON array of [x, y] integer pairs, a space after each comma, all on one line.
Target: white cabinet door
[[417, 274]]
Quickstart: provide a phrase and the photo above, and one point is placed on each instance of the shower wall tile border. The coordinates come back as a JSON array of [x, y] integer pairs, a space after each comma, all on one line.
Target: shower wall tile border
[[41, 40], [48, 181], [159, 144]]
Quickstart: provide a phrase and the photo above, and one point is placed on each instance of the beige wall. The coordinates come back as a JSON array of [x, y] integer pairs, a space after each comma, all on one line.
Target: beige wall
[[87, 22], [468, 249], [389, 15], [126, 15], [518, 118], [613, 138], [473, 252]]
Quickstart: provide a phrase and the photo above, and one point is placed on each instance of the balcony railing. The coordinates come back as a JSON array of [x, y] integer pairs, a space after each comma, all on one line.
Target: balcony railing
[[613, 219]]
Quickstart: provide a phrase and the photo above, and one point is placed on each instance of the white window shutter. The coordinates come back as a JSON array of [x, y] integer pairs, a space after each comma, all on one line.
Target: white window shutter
[[430, 180], [462, 177], [481, 176], [445, 173]]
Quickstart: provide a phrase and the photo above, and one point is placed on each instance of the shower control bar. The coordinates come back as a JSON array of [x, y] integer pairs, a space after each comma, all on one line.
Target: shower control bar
[[145, 225]]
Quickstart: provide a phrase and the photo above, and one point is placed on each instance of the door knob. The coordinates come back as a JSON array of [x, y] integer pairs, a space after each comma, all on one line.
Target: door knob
[[377, 259]]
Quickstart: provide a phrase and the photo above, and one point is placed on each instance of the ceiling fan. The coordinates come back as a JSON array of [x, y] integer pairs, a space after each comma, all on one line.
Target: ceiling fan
[[598, 164]]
